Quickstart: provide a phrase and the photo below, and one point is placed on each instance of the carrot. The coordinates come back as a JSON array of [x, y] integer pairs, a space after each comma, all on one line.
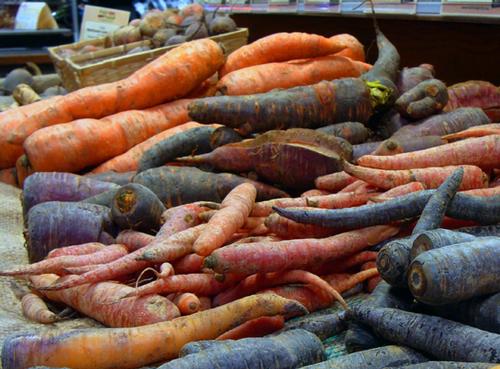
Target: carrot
[[35, 309], [291, 349], [256, 282], [191, 263], [199, 140], [137, 207], [398, 145], [398, 191], [129, 160], [282, 255], [344, 264], [280, 47], [353, 132], [188, 303], [380, 357], [334, 201], [483, 152], [363, 149], [250, 222], [57, 264], [411, 77], [343, 282], [372, 283], [82, 269], [479, 209], [315, 192], [140, 90], [359, 186], [55, 186], [79, 144], [438, 337], [134, 240], [182, 217], [97, 301], [269, 76], [235, 208], [9, 176], [437, 238], [83, 249], [113, 177], [258, 327], [334, 182], [23, 169], [445, 123], [288, 229], [205, 303], [323, 325], [473, 176], [327, 102], [353, 48], [477, 131], [423, 100], [302, 294], [182, 185], [97, 348], [482, 231], [448, 365], [483, 192], [479, 94], [431, 281]]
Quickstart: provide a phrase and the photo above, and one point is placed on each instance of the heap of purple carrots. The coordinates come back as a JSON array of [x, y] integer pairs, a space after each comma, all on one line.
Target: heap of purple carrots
[[325, 202]]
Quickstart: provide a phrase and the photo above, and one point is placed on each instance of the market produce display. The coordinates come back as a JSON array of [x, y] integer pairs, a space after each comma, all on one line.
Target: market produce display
[[202, 231]]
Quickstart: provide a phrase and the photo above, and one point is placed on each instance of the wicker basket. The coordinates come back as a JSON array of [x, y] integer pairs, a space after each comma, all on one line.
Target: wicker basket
[[112, 64]]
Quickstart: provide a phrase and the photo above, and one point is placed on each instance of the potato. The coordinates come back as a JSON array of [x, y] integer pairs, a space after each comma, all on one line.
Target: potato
[[151, 23], [162, 36], [16, 77]]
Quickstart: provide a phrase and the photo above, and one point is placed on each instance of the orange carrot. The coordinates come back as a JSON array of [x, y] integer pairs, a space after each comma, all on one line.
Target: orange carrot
[[9, 176], [343, 265], [142, 89], [263, 257], [205, 303], [129, 348], [372, 283], [280, 47], [353, 48], [369, 265], [315, 192], [23, 169], [82, 269], [266, 77], [99, 301], [86, 142], [484, 192], [333, 201], [258, 327], [482, 151], [477, 131], [302, 294], [398, 191], [191, 263], [134, 240], [180, 218], [473, 177], [129, 160], [360, 187], [34, 308], [256, 282], [83, 249], [288, 229], [250, 222], [57, 264], [335, 181], [187, 303], [344, 282], [235, 208]]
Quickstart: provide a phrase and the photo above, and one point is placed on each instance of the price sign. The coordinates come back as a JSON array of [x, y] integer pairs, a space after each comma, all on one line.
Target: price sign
[[98, 22]]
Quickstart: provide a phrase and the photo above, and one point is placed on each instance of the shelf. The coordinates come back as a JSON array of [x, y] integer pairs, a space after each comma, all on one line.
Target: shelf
[[40, 32], [9, 56]]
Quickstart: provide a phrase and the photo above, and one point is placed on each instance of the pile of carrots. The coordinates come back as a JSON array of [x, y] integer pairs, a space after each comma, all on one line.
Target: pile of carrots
[[193, 229]]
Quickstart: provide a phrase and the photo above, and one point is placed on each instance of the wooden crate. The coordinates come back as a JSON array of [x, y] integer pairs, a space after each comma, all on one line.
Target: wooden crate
[[112, 63]]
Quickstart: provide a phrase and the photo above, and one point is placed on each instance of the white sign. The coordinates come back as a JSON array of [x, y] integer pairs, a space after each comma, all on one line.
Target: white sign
[[35, 15], [98, 22]]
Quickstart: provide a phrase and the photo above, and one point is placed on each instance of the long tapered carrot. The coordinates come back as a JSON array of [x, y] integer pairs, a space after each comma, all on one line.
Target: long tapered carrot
[[398, 191], [359, 186], [482, 151], [474, 177], [280, 47], [288, 229], [334, 201], [180, 218], [263, 257], [57, 264], [86, 248], [476, 131], [191, 263], [258, 327], [303, 294], [85, 142], [34, 308], [315, 192], [142, 89], [344, 264], [335, 181], [483, 192], [343, 282], [129, 348], [266, 77], [235, 208], [134, 240], [129, 160], [352, 47]]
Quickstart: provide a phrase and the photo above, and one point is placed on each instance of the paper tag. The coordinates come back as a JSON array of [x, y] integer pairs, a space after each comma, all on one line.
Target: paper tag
[[98, 22], [28, 14]]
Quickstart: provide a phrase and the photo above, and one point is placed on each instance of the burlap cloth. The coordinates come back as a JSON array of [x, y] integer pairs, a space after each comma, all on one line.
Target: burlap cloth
[[13, 252]]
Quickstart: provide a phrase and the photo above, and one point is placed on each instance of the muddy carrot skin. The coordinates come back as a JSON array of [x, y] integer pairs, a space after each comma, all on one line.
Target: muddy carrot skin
[[483, 192], [97, 348], [436, 238], [398, 145], [473, 177], [334, 182], [277, 256], [353, 132], [423, 100], [35, 309]]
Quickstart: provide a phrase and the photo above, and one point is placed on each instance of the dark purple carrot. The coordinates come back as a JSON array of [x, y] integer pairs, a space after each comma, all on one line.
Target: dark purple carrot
[[398, 145], [363, 149], [197, 140], [482, 231], [445, 123], [55, 224], [137, 207], [480, 94], [104, 198], [485, 210], [437, 238], [410, 77], [423, 100], [119, 178], [183, 185], [387, 123], [353, 132], [55, 186], [448, 365], [321, 324], [438, 337], [457, 272]]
